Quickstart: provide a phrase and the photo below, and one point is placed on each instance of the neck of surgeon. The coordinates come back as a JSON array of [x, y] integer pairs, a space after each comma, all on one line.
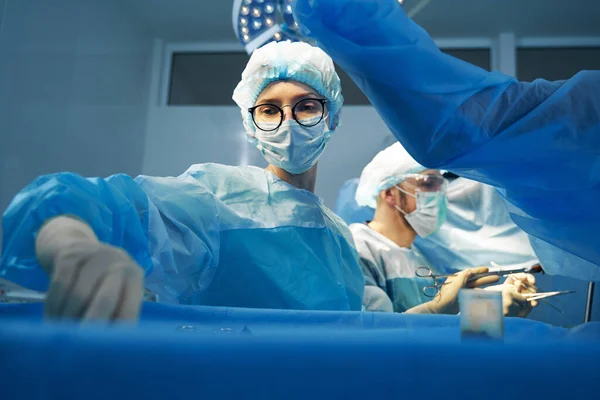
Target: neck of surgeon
[[391, 224], [306, 180]]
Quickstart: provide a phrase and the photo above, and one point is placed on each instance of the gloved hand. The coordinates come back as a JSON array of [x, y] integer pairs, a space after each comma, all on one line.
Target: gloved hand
[[446, 301], [514, 304], [523, 282], [89, 280]]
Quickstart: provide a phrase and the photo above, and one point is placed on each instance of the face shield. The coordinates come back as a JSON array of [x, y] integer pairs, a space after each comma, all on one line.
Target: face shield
[[429, 191]]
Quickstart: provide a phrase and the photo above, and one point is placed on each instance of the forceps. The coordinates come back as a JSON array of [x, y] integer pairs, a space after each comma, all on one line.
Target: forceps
[[10, 292], [543, 295], [439, 279]]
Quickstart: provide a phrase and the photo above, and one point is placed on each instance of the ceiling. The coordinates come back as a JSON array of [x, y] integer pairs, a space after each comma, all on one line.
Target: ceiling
[[206, 20]]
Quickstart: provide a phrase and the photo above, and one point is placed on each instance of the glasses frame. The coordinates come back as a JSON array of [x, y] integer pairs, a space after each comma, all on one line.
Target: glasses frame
[[281, 115]]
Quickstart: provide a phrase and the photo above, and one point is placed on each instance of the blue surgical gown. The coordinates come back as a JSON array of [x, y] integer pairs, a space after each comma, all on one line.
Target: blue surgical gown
[[391, 284], [537, 142], [215, 235]]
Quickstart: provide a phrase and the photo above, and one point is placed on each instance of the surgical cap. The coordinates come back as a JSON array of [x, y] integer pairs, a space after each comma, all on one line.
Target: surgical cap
[[388, 168], [298, 61]]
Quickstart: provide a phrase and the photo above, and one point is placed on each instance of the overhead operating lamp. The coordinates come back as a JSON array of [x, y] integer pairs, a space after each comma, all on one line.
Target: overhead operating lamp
[[258, 22]]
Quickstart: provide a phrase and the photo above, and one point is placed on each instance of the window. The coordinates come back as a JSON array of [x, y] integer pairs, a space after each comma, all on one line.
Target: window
[[555, 63], [203, 79]]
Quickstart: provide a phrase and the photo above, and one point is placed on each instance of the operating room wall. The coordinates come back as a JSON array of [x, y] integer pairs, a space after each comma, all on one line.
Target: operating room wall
[[73, 90], [180, 136]]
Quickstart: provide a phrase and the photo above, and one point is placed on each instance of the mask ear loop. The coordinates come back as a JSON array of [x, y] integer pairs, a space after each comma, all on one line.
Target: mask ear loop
[[414, 195], [405, 192]]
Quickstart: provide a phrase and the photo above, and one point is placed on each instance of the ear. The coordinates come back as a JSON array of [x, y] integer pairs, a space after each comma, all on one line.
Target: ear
[[387, 196]]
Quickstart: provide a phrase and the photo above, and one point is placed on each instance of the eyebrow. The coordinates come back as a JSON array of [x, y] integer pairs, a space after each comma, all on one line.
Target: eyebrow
[[294, 99]]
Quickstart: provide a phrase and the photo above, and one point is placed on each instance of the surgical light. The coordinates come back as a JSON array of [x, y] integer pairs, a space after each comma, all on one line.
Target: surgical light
[[258, 22]]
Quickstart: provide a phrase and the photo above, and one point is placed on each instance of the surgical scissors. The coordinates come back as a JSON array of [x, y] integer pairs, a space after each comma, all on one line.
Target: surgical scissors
[[433, 290]]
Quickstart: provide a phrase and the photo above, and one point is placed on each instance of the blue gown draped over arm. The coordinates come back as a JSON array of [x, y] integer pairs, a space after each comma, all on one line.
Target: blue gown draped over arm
[[537, 142]]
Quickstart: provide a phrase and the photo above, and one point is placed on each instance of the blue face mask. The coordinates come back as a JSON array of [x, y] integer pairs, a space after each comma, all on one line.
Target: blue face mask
[[430, 214], [293, 147]]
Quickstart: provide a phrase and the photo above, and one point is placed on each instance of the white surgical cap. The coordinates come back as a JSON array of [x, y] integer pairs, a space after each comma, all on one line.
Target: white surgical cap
[[387, 169], [295, 61]]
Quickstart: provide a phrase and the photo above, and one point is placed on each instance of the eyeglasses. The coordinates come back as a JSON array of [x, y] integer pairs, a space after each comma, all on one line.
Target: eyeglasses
[[307, 112], [426, 183]]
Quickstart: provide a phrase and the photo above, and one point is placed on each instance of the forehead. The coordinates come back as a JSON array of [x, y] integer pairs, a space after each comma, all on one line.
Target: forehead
[[285, 91]]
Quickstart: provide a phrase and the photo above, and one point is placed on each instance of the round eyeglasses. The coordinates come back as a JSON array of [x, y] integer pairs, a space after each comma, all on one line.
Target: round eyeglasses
[[307, 112]]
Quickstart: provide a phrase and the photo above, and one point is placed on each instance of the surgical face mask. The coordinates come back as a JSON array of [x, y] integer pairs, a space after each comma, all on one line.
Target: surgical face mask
[[293, 147], [430, 214]]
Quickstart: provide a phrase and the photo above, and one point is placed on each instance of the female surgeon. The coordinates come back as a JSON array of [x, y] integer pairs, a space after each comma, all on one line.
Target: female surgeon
[[215, 235]]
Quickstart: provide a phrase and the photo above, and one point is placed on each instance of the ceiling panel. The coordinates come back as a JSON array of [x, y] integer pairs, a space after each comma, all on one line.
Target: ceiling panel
[[204, 20]]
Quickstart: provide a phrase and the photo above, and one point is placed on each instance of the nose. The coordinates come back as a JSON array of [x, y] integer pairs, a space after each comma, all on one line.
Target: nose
[[287, 112]]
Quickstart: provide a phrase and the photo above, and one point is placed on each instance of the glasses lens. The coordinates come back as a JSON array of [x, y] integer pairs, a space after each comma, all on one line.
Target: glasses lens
[[267, 117], [427, 183], [308, 112]]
